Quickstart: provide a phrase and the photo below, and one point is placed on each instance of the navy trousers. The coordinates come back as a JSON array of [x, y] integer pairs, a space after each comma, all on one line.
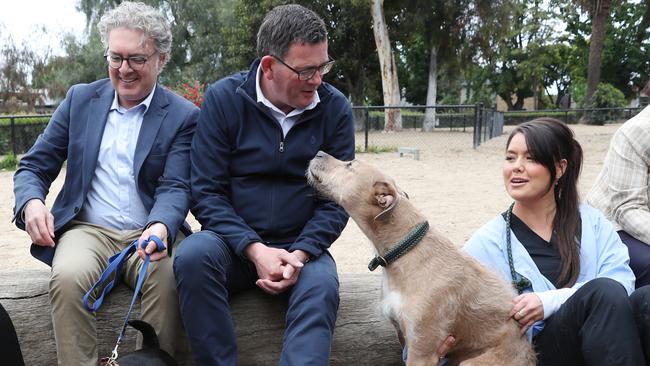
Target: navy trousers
[[208, 272], [598, 325], [639, 258]]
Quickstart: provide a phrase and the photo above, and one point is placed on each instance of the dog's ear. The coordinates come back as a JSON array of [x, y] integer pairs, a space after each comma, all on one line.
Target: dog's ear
[[386, 196]]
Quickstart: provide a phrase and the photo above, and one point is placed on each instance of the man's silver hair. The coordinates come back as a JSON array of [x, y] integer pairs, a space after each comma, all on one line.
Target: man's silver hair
[[286, 24], [138, 16]]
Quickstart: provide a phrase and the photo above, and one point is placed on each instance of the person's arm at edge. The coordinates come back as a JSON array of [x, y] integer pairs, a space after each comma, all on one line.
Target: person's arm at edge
[[42, 164], [629, 163]]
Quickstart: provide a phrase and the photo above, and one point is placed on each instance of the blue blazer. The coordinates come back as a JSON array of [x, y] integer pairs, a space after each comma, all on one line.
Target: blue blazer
[[74, 133]]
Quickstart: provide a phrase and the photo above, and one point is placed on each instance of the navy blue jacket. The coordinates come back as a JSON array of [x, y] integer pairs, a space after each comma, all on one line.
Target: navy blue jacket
[[74, 134], [248, 181]]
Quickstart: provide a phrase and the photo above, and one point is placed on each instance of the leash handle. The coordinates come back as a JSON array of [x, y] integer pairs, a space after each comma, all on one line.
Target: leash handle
[[115, 264], [159, 244]]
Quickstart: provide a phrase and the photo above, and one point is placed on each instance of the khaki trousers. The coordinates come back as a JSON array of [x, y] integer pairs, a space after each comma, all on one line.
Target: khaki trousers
[[81, 256]]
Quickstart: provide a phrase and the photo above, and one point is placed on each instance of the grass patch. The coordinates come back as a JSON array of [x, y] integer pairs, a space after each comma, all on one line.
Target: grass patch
[[376, 149], [9, 162]]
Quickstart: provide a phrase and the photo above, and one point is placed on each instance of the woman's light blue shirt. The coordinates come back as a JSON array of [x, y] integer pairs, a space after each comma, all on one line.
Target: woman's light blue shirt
[[602, 254]]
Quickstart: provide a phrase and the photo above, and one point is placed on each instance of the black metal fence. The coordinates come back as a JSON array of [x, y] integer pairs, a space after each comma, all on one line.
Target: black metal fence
[[18, 133], [421, 126], [575, 115]]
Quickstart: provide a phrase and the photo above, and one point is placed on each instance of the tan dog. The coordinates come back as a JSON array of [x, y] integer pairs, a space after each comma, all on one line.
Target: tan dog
[[433, 290]]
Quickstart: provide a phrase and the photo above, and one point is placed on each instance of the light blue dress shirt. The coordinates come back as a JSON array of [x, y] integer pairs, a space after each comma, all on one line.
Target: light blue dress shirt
[[113, 199]]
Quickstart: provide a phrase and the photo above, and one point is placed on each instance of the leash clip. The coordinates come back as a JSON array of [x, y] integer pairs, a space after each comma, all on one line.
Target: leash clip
[[114, 354], [110, 361]]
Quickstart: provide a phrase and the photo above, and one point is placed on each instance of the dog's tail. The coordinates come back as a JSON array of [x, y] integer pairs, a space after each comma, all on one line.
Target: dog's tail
[[149, 337]]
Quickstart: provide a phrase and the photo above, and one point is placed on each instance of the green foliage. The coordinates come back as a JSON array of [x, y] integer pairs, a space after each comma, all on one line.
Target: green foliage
[[457, 30], [625, 51], [516, 63], [16, 60], [26, 129], [505, 47], [6, 121], [578, 91], [350, 40], [197, 27], [607, 96], [83, 63], [9, 162]]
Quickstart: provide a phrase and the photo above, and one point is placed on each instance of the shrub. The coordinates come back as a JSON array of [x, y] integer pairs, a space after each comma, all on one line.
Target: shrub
[[606, 96], [10, 162], [192, 92]]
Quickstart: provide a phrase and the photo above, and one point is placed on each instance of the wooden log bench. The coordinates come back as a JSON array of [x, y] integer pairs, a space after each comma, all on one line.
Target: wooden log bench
[[362, 335]]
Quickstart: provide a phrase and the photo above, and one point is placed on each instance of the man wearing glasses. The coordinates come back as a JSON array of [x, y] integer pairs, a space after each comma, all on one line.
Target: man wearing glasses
[[126, 141], [262, 224]]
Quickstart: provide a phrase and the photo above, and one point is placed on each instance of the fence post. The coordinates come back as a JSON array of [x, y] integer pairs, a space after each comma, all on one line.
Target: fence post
[[478, 109], [367, 127], [13, 135]]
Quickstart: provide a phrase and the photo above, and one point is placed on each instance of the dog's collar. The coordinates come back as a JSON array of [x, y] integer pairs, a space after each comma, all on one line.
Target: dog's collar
[[401, 248]]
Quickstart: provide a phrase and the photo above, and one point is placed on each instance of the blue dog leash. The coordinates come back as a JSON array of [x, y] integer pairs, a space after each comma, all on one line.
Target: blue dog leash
[[114, 269]]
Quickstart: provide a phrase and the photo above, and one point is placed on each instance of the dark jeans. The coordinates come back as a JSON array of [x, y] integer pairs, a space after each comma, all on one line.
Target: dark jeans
[[639, 258], [208, 272], [598, 325], [10, 353]]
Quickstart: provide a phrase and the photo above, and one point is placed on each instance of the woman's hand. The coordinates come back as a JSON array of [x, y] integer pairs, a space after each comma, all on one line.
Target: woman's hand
[[526, 310]]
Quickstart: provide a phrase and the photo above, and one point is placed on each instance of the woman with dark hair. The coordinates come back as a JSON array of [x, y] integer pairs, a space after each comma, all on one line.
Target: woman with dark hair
[[564, 259]]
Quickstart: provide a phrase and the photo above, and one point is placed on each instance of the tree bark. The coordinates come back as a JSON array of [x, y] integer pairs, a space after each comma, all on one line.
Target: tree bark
[[389, 81], [432, 91], [599, 16], [361, 336]]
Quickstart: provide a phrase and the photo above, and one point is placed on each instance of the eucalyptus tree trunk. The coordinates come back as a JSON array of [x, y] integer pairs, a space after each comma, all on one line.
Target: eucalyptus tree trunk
[[600, 10], [389, 82], [432, 92]]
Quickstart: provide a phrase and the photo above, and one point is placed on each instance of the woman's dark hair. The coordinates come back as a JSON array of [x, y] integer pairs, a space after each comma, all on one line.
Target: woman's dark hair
[[549, 141]]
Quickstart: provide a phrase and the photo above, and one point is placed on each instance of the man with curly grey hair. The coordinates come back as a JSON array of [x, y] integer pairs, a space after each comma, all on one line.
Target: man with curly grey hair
[[126, 141], [262, 224]]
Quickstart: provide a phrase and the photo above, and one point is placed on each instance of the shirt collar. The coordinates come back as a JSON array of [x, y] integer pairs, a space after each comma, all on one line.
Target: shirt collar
[[146, 102], [262, 99]]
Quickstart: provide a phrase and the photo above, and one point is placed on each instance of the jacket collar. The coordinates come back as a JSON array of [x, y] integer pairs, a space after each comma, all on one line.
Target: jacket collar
[[98, 109], [151, 123], [248, 86]]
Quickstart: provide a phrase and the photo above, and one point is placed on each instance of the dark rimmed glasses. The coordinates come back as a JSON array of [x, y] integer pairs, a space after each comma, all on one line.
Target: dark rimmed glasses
[[134, 62], [309, 72]]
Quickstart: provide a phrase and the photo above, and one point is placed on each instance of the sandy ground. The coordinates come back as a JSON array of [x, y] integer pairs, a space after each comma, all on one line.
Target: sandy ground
[[458, 188]]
